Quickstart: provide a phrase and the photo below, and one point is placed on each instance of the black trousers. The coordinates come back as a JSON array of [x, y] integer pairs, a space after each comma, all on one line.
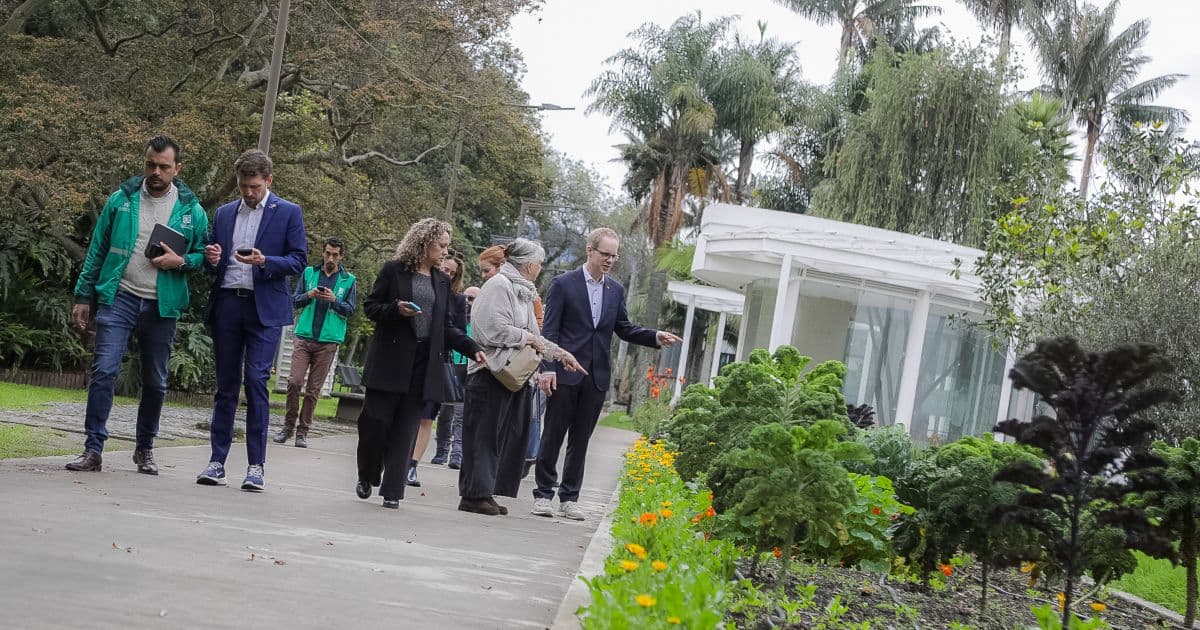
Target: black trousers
[[571, 413], [387, 430], [495, 430]]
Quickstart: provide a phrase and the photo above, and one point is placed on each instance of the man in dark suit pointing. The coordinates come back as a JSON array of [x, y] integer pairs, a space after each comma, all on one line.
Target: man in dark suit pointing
[[583, 310]]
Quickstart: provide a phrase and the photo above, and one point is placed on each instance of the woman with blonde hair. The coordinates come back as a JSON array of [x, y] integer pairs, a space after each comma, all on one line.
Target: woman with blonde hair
[[404, 381], [496, 419]]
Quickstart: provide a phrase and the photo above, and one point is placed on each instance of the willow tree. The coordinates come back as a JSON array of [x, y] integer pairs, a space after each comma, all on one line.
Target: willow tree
[[927, 154]]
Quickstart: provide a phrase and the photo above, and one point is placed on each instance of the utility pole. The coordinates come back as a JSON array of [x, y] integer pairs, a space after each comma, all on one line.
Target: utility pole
[[264, 134]]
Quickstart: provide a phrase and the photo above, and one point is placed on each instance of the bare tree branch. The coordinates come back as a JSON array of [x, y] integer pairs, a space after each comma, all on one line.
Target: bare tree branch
[[351, 160]]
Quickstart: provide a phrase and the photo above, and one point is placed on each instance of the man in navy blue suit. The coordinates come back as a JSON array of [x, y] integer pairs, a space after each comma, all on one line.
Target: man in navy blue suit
[[258, 242], [583, 310]]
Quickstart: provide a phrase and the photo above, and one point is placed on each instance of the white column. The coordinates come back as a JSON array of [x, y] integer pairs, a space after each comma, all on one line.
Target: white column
[[743, 327], [684, 347], [781, 323], [716, 362], [911, 372], [1006, 389]]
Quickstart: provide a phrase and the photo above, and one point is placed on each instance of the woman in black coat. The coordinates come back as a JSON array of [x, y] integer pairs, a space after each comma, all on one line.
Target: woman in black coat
[[404, 376]]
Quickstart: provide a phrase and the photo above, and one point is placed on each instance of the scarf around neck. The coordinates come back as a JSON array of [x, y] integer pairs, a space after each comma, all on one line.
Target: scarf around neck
[[525, 290]]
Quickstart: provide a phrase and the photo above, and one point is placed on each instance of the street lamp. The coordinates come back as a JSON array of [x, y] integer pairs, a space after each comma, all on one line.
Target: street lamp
[[544, 107]]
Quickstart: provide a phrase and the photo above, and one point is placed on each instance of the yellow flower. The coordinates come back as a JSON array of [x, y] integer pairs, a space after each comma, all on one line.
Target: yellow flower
[[659, 565], [1062, 601], [665, 513], [629, 565], [636, 550], [1028, 567], [646, 600], [673, 620], [666, 504], [1099, 607]]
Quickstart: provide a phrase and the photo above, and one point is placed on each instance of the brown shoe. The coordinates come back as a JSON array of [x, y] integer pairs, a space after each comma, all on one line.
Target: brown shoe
[[503, 510], [88, 461], [478, 506], [144, 458]]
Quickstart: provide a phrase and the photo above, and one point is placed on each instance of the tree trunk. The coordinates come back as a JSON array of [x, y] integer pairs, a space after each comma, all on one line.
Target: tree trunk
[[21, 15], [847, 40], [1093, 137], [1187, 549], [745, 161], [1005, 44], [983, 597]]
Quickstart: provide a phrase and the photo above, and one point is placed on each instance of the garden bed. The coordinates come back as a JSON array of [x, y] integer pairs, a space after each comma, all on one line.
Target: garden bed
[[824, 596]]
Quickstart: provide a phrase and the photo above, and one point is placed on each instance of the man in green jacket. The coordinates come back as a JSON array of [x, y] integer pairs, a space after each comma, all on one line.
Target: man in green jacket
[[327, 295], [141, 289]]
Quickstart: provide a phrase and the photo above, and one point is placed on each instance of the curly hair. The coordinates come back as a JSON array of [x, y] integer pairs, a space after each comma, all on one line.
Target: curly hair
[[412, 247]]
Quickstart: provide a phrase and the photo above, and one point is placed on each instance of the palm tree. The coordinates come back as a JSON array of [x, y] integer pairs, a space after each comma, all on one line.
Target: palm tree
[[1094, 72], [858, 18], [1005, 14], [657, 92], [750, 92]]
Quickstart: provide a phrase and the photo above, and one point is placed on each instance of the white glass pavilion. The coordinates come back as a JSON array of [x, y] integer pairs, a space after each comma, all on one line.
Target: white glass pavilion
[[893, 307]]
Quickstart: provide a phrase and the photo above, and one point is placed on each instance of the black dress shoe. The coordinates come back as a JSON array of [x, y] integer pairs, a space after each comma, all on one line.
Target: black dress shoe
[[391, 504], [503, 510], [88, 461], [144, 458], [412, 477], [479, 506], [363, 490]]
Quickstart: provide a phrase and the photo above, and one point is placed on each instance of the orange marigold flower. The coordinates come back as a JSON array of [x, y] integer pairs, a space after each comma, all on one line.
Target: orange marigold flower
[[636, 549], [648, 518], [946, 569], [629, 565], [658, 565], [710, 512], [1099, 607], [1028, 567], [666, 504], [777, 552], [645, 600], [665, 513], [876, 510], [668, 372]]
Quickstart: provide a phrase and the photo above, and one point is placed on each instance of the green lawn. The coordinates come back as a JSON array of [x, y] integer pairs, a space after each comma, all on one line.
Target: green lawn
[[617, 420], [326, 406], [18, 440], [14, 396], [1157, 581]]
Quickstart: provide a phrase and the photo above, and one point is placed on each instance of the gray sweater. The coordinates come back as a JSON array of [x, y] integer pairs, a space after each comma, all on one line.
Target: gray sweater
[[500, 321]]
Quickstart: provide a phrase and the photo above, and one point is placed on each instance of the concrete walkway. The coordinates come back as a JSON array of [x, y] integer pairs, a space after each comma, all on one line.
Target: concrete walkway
[[118, 549]]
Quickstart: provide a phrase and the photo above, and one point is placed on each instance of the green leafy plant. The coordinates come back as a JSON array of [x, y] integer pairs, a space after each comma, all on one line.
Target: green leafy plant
[[1178, 506], [864, 537], [1096, 458], [793, 488], [649, 416]]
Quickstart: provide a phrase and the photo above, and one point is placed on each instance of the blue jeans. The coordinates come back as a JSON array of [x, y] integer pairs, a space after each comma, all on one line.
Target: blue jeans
[[128, 315], [537, 408]]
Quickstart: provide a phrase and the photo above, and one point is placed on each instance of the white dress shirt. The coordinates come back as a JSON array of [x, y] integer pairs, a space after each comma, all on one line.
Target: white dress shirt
[[595, 289], [239, 275]]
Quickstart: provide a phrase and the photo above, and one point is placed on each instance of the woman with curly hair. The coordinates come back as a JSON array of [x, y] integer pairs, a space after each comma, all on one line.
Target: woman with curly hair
[[496, 419], [410, 305]]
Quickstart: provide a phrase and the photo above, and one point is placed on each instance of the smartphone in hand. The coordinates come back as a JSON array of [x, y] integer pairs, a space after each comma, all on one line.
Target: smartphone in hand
[[245, 251], [412, 306]]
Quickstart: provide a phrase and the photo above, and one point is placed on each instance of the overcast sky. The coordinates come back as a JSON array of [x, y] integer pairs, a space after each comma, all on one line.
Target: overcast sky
[[565, 45]]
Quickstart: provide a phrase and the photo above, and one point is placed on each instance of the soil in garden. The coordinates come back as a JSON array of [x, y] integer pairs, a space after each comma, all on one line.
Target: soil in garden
[[862, 596]]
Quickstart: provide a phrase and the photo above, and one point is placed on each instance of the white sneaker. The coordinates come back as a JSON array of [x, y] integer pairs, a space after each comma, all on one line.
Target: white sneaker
[[571, 510], [542, 507]]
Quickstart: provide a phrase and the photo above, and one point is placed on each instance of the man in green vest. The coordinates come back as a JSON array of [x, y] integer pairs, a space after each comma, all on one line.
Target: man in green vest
[[327, 295]]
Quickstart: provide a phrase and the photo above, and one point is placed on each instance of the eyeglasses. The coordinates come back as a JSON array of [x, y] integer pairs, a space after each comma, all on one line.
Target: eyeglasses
[[606, 255]]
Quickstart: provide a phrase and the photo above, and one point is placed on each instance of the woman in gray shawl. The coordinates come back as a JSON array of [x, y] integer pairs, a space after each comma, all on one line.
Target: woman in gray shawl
[[495, 419]]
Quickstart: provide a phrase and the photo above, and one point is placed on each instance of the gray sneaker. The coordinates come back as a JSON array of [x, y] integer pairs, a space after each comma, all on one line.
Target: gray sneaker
[[542, 507], [301, 441], [571, 510]]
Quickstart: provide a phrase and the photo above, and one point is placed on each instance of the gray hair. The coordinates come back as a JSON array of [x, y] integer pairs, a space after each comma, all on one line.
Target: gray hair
[[522, 252]]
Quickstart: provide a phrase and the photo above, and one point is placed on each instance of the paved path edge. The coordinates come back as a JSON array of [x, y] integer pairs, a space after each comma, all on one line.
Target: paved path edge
[[590, 566]]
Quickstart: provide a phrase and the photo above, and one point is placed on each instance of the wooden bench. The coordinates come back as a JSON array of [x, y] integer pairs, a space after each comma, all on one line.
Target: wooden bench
[[350, 400]]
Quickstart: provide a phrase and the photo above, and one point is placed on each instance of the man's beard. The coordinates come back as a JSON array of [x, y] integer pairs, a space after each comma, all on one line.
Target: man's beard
[[330, 267]]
